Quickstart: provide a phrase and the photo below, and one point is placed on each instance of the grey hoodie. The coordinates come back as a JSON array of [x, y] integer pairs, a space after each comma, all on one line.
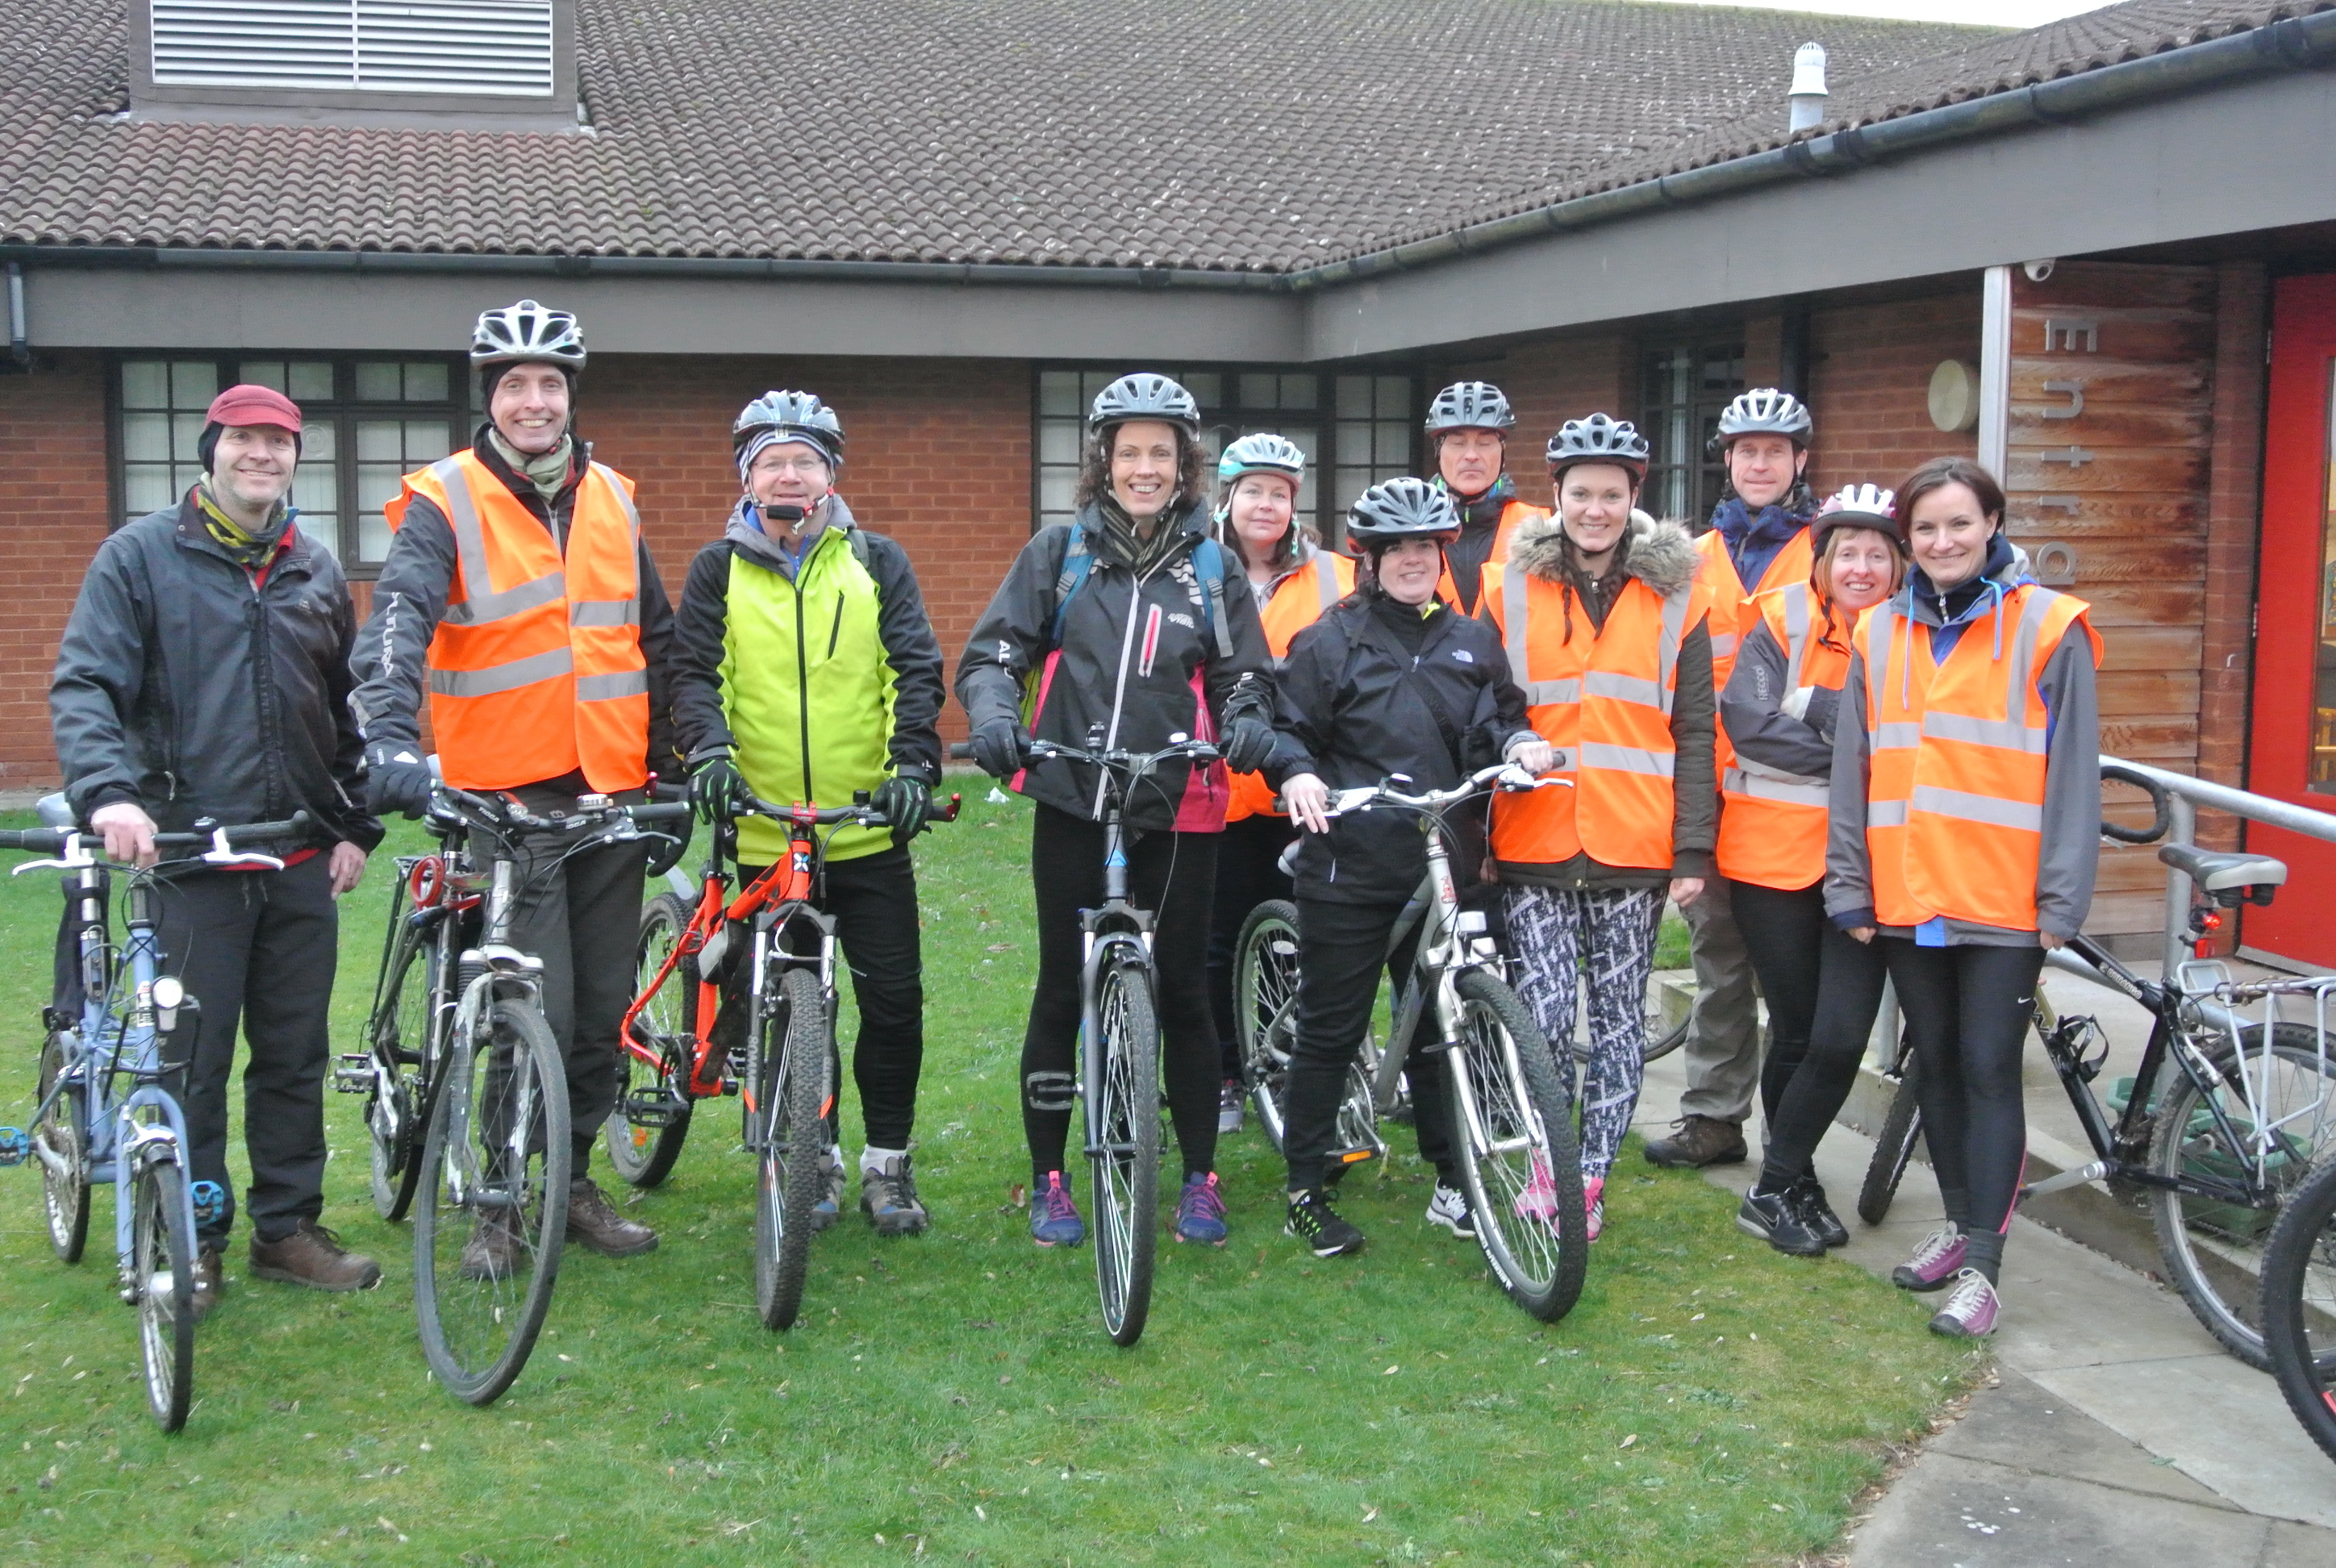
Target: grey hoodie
[[1663, 556]]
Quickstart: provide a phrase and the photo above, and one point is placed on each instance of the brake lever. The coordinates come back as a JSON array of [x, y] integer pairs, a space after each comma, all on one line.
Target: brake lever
[[76, 858]]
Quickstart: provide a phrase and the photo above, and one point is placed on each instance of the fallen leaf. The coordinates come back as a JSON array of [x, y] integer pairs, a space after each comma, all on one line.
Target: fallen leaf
[[1631, 1439]]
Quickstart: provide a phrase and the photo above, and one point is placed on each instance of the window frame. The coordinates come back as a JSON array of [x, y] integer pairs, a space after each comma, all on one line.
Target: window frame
[[1706, 476]]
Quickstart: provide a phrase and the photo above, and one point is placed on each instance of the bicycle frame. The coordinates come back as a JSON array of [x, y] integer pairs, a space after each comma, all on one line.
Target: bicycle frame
[[1116, 933]]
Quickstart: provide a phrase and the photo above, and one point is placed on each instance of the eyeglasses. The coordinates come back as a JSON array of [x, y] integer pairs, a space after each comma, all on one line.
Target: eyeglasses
[[810, 464]]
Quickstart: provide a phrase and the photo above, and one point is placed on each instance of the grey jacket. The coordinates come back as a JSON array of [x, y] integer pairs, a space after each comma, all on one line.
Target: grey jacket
[[2072, 793]]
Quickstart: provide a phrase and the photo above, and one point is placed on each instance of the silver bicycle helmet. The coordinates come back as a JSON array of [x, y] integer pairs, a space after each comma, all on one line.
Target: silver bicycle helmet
[[1399, 509], [1765, 411], [788, 416], [1145, 396], [1263, 453], [526, 334], [1469, 406], [1598, 439]]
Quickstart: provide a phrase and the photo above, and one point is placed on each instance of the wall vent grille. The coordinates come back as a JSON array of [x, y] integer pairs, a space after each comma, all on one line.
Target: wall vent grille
[[497, 48]]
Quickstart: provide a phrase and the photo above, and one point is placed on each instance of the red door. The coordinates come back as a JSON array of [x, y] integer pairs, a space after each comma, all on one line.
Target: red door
[[2292, 752]]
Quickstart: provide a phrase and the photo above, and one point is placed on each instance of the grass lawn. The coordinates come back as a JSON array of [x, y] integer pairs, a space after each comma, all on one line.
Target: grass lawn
[[1708, 1402]]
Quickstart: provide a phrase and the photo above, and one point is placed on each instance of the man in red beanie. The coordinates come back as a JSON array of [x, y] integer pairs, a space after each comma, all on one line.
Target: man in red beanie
[[204, 673]]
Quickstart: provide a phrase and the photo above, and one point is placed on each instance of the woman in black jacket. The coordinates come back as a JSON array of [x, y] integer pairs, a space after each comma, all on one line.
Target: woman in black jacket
[[1389, 682]]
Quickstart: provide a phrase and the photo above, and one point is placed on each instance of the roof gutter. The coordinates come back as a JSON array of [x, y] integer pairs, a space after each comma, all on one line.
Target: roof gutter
[[2300, 42]]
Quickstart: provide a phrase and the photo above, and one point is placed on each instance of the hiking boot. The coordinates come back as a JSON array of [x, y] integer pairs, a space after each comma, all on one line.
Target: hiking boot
[[313, 1256], [1539, 1199], [1971, 1310], [1200, 1211], [599, 1228], [1935, 1261], [1593, 1203], [1449, 1209], [1053, 1219], [492, 1250], [888, 1196], [1313, 1222], [830, 1206], [1811, 1197], [1229, 1106], [210, 1277], [1698, 1141], [1777, 1219]]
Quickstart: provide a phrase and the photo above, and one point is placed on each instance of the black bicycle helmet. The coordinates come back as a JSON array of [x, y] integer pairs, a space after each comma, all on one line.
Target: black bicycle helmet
[[1469, 406], [1598, 439], [1146, 394], [1399, 509], [791, 417]]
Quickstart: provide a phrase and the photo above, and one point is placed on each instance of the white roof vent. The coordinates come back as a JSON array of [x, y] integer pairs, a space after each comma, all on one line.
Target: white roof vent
[[471, 48], [1808, 97]]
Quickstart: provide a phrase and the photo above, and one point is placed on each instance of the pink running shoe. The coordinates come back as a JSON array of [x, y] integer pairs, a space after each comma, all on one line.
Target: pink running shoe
[[1538, 1200], [1970, 1309], [1593, 1199], [1934, 1263]]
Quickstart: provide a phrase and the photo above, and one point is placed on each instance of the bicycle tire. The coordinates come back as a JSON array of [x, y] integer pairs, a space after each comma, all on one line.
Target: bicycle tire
[[163, 1281], [401, 1027], [791, 1156], [1503, 1070], [2299, 1287], [1892, 1148], [642, 1154], [1265, 1008], [2203, 1245], [1125, 1164], [65, 1196], [479, 1323]]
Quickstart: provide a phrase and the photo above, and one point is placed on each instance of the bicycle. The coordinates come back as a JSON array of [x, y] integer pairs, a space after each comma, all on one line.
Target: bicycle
[[86, 1130], [490, 1189], [785, 1077], [1515, 1138], [2222, 1118]]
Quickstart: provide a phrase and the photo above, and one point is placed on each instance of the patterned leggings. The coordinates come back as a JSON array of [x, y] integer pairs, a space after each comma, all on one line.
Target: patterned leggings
[[1606, 936]]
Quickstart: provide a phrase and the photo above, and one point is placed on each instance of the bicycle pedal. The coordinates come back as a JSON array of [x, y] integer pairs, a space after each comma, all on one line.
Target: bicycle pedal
[[1344, 1158], [16, 1146], [210, 1203], [652, 1111], [352, 1074], [730, 1086]]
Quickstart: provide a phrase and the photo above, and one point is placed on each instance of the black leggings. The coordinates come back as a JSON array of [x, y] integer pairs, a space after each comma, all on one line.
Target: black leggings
[[1172, 874], [1968, 1010], [1823, 988], [1249, 873]]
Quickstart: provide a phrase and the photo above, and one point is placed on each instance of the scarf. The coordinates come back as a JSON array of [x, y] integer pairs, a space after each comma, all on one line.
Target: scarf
[[1753, 541], [547, 472], [1121, 535], [251, 550]]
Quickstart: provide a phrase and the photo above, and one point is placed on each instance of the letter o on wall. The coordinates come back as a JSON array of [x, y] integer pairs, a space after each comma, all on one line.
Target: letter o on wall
[[1954, 396]]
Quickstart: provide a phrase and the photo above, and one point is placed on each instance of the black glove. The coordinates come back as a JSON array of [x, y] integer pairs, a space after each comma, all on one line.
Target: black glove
[[718, 789], [902, 799], [1248, 745], [396, 779], [1002, 745]]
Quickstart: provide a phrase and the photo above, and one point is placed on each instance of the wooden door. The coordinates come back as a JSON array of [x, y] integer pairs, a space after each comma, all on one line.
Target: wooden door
[[2292, 748]]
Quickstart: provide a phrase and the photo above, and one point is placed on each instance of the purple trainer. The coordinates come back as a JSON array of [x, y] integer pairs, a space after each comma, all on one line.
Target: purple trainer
[[1934, 1263], [1970, 1309]]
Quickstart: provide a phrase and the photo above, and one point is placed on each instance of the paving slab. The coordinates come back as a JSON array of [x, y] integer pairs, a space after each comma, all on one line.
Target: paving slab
[[2022, 1425], [1950, 1511]]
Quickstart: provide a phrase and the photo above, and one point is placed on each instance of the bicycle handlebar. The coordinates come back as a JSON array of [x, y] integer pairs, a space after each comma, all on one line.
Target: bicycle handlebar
[[1117, 756], [2160, 802], [1501, 776], [51, 841], [869, 815]]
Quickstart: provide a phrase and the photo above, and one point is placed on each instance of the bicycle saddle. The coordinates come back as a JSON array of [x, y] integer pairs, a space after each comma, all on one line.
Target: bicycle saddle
[[2220, 871], [54, 812]]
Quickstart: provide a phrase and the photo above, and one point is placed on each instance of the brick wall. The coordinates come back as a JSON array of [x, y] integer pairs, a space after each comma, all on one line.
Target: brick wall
[[1869, 384], [52, 516], [1549, 381]]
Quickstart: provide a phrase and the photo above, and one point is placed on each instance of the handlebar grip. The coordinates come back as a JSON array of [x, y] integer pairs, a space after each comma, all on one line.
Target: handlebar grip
[[936, 812], [961, 751], [661, 791], [49, 840], [2161, 803], [661, 812], [237, 832]]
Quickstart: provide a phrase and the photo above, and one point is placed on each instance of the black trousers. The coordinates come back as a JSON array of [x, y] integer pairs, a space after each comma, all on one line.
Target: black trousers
[[1249, 873], [583, 919], [256, 949], [1172, 874], [1822, 988], [873, 898], [1341, 950], [1968, 1010]]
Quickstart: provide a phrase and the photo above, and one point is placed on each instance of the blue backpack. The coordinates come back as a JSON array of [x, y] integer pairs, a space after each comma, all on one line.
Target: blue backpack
[[1208, 560]]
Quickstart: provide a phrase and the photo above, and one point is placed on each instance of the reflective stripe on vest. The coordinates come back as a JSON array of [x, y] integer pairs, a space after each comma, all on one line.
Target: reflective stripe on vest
[[1732, 611], [1514, 515], [1773, 822]]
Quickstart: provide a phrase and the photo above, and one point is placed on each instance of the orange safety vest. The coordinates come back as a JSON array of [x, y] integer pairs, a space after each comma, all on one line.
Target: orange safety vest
[[1299, 600], [1513, 516], [1733, 615], [536, 669], [1602, 700], [1772, 823], [1954, 815]]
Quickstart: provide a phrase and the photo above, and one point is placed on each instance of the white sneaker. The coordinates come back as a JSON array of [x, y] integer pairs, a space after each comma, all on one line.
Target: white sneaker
[[1449, 1209]]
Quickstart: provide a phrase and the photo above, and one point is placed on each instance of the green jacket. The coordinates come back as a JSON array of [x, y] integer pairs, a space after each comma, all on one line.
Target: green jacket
[[822, 678]]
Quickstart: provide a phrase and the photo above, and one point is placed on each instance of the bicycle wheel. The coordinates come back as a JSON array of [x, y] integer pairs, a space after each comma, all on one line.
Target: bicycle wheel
[[1518, 1153], [1894, 1148], [792, 1095], [2213, 1252], [642, 1152], [58, 1144], [1125, 1162], [162, 1283], [493, 1207], [2298, 1304], [1265, 1007], [399, 1034]]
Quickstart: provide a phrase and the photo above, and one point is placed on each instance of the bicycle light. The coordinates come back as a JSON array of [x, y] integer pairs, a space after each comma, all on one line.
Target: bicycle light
[[169, 995], [1471, 923]]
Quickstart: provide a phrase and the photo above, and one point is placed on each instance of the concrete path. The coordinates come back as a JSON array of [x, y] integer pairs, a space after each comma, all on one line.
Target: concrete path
[[2120, 1434]]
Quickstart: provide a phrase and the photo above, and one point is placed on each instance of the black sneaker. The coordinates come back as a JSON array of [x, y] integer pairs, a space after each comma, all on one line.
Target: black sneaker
[[1817, 1213], [1313, 1222], [1777, 1219]]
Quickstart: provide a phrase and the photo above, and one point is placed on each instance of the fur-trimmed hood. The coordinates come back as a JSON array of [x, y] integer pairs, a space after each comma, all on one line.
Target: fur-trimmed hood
[[1660, 554]]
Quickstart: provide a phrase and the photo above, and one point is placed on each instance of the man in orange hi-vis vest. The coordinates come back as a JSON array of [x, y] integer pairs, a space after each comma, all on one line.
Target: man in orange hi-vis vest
[[519, 593], [1468, 424], [1758, 541]]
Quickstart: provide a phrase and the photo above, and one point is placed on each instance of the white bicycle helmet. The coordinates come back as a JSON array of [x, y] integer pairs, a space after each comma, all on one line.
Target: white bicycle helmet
[[1399, 509], [1262, 453], [1469, 406], [1598, 439], [1857, 506], [1764, 411], [788, 416], [527, 333], [1145, 396]]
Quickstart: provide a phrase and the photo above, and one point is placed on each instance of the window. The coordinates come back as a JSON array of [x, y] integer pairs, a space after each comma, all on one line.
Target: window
[[1364, 424], [366, 423], [1682, 389]]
